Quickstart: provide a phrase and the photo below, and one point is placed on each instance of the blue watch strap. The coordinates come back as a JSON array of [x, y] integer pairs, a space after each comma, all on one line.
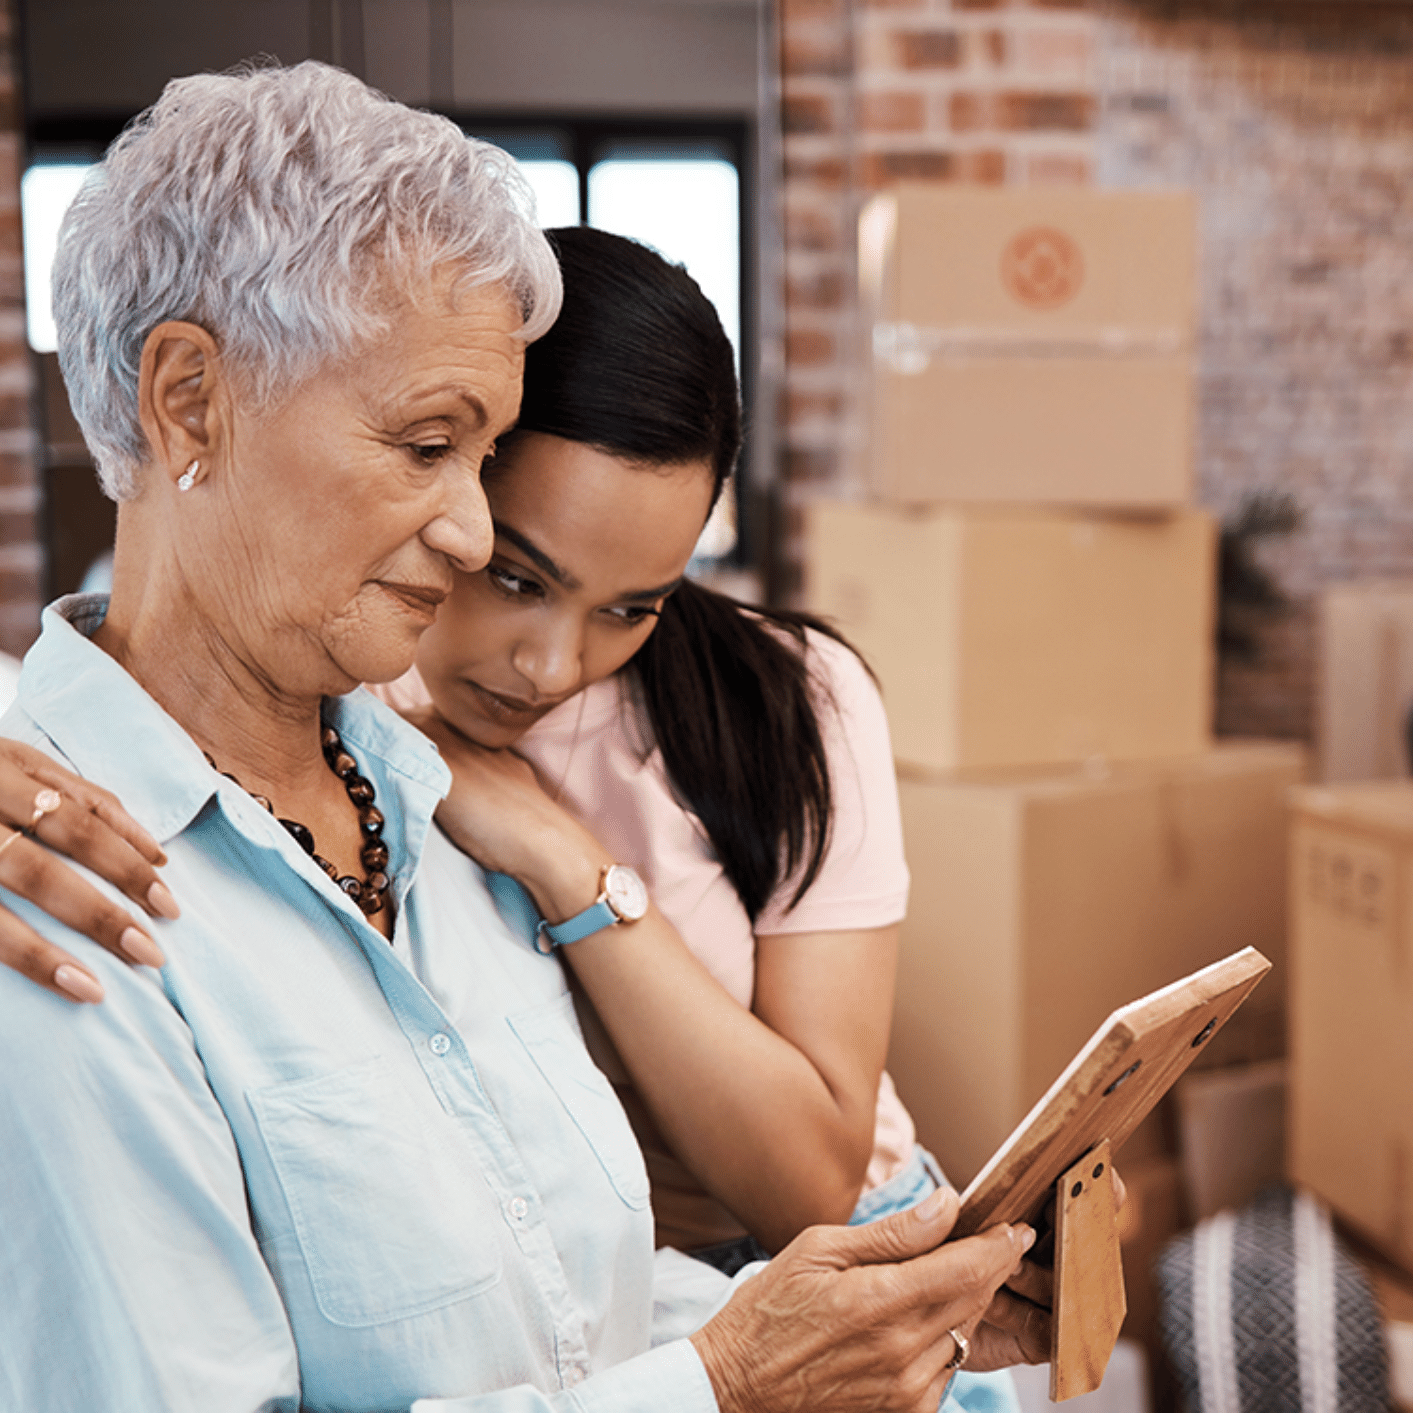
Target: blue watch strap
[[594, 918]]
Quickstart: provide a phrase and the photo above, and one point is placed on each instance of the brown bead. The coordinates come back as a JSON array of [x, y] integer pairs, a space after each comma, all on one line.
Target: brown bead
[[344, 765], [371, 822], [377, 882], [374, 856], [330, 739], [360, 791], [351, 886]]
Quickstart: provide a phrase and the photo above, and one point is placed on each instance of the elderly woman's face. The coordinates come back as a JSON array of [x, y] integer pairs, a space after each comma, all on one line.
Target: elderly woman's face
[[344, 513]]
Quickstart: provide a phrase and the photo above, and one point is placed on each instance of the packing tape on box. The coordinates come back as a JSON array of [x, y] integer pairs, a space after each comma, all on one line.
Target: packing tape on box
[[912, 348]]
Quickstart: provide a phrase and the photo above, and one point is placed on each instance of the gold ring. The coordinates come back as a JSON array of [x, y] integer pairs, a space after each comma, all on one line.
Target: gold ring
[[10, 839], [960, 1340], [45, 802]]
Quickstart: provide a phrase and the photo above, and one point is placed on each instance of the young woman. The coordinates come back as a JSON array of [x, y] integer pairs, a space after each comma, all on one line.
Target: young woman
[[736, 758]]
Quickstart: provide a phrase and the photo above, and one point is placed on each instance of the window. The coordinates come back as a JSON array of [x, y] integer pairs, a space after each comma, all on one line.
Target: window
[[46, 189], [677, 186]]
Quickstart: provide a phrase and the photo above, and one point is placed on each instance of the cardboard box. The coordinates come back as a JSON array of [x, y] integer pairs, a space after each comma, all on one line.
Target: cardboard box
[[1030, 346], [1232, 1125], [1351, 1012], [1042, 902], [1009, 637], [1366, 679]]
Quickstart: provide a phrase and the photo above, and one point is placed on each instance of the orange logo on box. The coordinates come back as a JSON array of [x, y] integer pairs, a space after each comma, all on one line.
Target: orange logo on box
[[1042, 267]]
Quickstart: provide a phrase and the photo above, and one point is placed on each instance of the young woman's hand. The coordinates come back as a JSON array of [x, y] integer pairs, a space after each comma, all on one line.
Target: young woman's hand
[[498, 813], [90, 826]]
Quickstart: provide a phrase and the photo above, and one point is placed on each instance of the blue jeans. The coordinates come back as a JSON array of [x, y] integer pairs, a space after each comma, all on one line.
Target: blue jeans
[[968, 1392]]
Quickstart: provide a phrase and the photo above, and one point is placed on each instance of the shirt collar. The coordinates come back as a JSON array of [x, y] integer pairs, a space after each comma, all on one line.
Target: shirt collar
[[69, 685]]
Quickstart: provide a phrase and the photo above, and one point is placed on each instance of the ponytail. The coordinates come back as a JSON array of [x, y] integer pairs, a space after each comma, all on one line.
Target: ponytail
[[728, 693]]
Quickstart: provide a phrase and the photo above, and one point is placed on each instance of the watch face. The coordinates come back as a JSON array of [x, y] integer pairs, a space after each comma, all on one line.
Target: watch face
[[626, 893]]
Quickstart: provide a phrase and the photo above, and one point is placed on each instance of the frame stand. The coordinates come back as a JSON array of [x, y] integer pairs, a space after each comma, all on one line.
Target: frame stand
[[1089, 1277]]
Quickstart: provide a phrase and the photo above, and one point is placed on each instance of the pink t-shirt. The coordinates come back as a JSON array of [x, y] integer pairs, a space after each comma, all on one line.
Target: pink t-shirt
[[596, 752]]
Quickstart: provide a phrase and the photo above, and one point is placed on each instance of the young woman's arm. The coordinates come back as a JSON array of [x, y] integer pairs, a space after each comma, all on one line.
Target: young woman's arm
[[91, 827], [772, 1110]]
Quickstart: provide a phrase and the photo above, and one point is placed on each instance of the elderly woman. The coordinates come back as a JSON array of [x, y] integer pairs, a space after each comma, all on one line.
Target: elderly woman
[[347, 1151]]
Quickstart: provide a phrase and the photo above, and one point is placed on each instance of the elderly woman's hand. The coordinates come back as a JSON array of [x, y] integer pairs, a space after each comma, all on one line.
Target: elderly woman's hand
[[92, 827], [859, 1319]]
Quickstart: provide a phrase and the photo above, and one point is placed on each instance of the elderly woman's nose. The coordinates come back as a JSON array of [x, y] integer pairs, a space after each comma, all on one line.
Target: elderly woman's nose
[[551, 660], [462, 528]]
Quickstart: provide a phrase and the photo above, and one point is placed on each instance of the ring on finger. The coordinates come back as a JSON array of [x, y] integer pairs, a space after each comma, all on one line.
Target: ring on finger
[[958, 1338], [10, 839], [45, 802]]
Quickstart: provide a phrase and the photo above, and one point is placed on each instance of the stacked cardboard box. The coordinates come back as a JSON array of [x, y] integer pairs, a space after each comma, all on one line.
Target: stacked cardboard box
[[1366, 679], [1036, 594], [1351, 1013]]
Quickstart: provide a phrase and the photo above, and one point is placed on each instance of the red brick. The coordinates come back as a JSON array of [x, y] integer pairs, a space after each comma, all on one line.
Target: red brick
[[970, 112], [825, 172], [1058, 169], [814, 55], [807, 348], [1047, 50], [797, 407], [891, 112], [986, 166], [823, 289], [806, 466], [19, 527], [812, 10], [1045, 112], [882, 168], [15, 470], [811, 230], [807, 113], [995, 45], [928, 48]]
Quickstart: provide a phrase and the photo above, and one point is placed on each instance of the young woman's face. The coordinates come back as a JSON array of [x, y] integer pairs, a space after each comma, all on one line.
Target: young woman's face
[[587, 548]]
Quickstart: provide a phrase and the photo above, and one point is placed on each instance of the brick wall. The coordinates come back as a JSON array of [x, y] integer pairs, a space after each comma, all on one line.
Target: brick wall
[[876, 91], [1294, 124], [1292, 120], [21, 562]]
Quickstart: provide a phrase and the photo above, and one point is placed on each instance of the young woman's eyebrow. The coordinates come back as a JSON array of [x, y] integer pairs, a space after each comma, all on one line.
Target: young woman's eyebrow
[[648, 595], [529, 548]]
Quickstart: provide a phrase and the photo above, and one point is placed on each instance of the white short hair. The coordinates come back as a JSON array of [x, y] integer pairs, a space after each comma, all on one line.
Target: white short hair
[[273, 207]]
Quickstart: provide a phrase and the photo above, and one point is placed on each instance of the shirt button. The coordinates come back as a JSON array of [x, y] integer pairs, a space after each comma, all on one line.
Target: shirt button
[[573, 1377], [440, 1044], [517, 1208]]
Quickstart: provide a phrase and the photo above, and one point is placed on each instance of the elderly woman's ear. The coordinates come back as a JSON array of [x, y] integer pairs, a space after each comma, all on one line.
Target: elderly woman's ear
[[182, 400]]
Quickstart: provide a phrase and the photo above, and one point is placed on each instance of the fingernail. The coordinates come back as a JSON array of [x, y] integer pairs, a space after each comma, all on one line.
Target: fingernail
[[1027, 1236], [79, 984], [160, 900], [931, 1205], [141, 948]]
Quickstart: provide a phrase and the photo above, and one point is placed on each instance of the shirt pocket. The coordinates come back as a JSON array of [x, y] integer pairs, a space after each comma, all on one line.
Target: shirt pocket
[[550, 1034], [392, 1219]]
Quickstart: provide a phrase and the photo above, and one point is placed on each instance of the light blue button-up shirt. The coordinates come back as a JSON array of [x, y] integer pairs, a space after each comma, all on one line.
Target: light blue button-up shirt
[[302, 1168]]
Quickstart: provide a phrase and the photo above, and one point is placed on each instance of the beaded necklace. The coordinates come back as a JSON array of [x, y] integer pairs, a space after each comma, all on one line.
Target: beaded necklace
[[368, 892]]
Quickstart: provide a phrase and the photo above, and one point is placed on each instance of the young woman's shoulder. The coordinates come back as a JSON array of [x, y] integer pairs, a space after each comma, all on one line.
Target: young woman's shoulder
[[863, 880]]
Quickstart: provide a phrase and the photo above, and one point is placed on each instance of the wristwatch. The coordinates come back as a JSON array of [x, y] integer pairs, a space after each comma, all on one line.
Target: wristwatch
[[623, 897]]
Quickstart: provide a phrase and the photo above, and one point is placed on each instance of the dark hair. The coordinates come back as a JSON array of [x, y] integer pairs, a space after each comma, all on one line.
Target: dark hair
[[637, 365]]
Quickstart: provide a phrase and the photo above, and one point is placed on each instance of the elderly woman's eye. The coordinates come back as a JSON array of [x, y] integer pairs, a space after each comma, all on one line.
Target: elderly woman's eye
[[429, 451]]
